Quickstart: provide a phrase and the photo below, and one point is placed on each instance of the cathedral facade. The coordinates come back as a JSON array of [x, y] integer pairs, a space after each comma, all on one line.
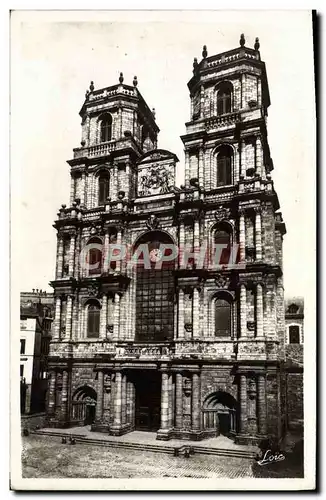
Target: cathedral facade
[[186, 348]]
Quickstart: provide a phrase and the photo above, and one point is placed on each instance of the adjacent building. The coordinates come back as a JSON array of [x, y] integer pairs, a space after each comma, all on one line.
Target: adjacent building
[[294, 322], [36, 316], [185, 351]]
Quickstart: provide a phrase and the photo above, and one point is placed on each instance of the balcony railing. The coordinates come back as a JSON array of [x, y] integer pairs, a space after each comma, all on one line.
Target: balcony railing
[[222, 121], [232, 56], [102, 149]]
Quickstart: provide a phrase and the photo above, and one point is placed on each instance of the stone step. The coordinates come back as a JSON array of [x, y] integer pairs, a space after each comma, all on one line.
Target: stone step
[[157, 448]]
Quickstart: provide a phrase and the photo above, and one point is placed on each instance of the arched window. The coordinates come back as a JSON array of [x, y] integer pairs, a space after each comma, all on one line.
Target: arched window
[[222, 240], [293, 309], [103, 187], [222, 317], [106, 128], [224, 98], [294, 334], [94, 256], [224, 166], [93, 320], [154, 289]]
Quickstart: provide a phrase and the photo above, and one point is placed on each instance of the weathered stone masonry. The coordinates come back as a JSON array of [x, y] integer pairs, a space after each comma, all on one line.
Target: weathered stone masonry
[[191, 352]]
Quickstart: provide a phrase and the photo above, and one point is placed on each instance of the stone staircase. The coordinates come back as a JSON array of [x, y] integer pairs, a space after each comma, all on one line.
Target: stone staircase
[[184, 450]]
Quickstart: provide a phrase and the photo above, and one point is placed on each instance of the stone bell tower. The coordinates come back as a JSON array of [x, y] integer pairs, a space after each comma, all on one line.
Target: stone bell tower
[[228, 169], [117, 128]]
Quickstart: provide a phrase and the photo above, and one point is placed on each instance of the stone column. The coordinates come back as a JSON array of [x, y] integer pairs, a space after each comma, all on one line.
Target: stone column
[[106, 252], [68, 318], [258, 157], [72, 255], [187, 173], [52, 393], [243, 159], [196, 240], [88, 121], [57, 319], [64, 397], [242, 236], [116, 324], [124, 399], [127, 181], [119, 240], [237, 163], [115, 183], [178, 401], [171, 401], [181, 314], [60, 258], [165, 401], [129, 403], [243, 90], [181, 242], [100, 391], [82, 189], [117, 400], [72, 189], [243, 311], [195, 313], [258, 234], [77, 255], [103, 317], [201, 167], [243, 403], [261, 404], [259, 92], [202, 101], [74, 324], [259, 311], [195, 402], [191, 107]]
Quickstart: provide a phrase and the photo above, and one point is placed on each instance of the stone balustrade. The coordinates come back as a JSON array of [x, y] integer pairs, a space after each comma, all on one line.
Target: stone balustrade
[[232, 56], [226, 120]]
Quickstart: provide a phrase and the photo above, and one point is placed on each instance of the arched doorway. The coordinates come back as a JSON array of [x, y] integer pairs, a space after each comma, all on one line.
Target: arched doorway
[[220, 413], [154, 288], [83, 406]]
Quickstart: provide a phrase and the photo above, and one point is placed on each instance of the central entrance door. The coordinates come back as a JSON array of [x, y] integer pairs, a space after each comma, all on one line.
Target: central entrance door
[[148, 401]]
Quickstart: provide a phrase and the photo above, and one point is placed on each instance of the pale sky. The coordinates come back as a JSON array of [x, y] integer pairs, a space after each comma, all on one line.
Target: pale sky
[[55, 57]]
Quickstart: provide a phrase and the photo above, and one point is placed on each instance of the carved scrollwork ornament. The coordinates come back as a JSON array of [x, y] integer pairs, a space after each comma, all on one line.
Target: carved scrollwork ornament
[[152, 222], [222, 281], [93, 290], [222, 213]]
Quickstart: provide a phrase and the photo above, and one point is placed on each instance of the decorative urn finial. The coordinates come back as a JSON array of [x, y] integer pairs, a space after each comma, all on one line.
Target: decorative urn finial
[[121, 78], [135, 81], [154, 112], [195, 65], [204, 53], [242, 40], [257, 44], [86, 94], [91, 87]]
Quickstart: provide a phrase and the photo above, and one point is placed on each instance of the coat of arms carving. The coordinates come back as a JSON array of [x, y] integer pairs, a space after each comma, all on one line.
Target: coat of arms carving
[[155, 180], [222, 281]]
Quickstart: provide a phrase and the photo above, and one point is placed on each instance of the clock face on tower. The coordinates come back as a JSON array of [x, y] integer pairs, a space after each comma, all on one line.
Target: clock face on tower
[[155, 255]]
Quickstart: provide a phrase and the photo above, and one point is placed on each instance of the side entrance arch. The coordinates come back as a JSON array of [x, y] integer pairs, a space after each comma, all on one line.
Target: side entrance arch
[[220, 413], [83, 405]]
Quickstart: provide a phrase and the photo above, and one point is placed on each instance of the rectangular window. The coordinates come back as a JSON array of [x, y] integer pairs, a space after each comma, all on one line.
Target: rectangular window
[[21, 370], [22, 346], [294, 334]]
